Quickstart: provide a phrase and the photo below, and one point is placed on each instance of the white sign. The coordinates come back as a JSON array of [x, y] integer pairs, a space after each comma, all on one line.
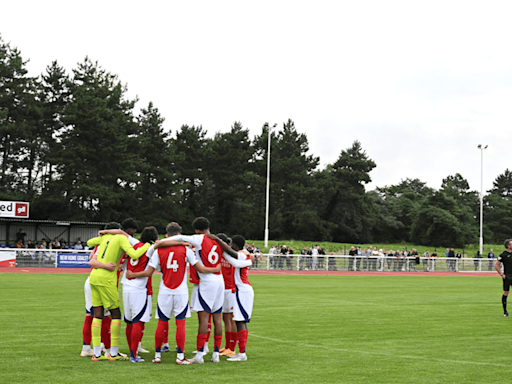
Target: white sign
[[14, 209]]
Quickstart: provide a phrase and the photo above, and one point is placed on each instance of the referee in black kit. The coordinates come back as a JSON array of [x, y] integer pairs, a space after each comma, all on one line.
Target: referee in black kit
[[506, 259]]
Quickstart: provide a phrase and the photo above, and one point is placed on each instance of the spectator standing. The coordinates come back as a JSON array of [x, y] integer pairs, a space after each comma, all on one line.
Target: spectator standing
[[476, 262], [282, 256], [451, 264], [395, 260], [490, 256], [309, 259], [352, 253], [331, 263], [389, 259], [321, 258], [415, 261], [366, 263], [20, 235], [447, 259], [302, 257], [257, 256], [272, 254], [314, 254], [433, 261], [426, 257], [401, 260], [289, 258], [359, 259]]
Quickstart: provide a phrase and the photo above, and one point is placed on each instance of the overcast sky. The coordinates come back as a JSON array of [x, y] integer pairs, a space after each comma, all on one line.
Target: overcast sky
[[419, 83]]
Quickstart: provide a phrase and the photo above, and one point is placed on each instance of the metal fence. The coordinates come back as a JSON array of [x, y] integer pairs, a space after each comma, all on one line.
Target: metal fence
[[377, 264], [37, 258], [49, 258]]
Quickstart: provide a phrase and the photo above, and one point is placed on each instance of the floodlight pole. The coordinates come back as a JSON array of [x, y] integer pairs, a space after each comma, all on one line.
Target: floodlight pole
[[268, 183], [481, 196]]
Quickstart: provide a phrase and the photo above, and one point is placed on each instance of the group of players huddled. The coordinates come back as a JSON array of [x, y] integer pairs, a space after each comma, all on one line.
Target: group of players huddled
[[221, 291]]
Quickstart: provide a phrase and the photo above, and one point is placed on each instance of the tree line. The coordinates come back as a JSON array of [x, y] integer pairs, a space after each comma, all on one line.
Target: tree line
[[73, 145]]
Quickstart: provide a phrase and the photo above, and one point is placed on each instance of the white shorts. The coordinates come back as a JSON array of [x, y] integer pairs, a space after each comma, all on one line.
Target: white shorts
[[243, 306], [229, 301], [88, 300], [137, 306], [169, 303], [210, 296], [195, 305]]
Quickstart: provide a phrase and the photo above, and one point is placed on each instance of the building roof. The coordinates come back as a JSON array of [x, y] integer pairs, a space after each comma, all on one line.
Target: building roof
[[54, 222]]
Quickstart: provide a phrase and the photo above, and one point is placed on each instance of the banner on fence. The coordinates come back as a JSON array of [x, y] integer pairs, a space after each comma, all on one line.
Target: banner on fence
[[73, 260], [8, 259]]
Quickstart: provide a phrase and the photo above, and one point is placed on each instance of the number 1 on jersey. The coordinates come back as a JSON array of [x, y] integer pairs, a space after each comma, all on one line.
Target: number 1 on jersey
[[172, 264]]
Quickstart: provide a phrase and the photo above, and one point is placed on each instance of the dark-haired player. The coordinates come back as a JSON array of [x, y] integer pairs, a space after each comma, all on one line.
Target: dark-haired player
[[173, 292], [228, 274], [244, 302], [506, 259], [104, 289], [210, 293], [137, 295]]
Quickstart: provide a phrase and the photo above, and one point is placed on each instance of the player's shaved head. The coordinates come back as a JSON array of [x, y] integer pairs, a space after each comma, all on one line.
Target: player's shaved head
[[149, 235], [112, 225], [130, 224], [173, 229], [201, 224], [224, 238], [239, 241], [507, 243]]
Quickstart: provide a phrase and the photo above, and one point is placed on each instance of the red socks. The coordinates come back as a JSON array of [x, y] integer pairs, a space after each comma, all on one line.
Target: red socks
[[180, 335], [105, 331], [241, 337], [161, 334], [217, 342], [129, 335], [136, 337], [232, 340], [86, 330], [201, 340]]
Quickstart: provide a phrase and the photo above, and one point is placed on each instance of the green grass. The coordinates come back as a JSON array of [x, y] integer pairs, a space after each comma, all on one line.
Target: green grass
[[305, 329]]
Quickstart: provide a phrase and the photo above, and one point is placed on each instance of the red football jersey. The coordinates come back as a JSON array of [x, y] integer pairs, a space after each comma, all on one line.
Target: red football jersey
[[228, 273], [210, 253], [194, 279], [139, 265], [173, 264]]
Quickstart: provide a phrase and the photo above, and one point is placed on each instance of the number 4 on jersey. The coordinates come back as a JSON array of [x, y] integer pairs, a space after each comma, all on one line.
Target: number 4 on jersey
[[172, 264]]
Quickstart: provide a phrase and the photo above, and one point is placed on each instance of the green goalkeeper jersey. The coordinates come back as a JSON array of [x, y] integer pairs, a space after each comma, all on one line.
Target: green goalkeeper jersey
[[110, 250]]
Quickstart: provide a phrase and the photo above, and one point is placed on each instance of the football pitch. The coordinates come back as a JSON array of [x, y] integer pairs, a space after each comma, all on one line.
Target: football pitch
[[305, 329]]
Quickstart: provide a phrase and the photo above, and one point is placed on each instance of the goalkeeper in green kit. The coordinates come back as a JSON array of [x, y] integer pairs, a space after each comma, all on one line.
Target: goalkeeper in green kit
[[104, 288]]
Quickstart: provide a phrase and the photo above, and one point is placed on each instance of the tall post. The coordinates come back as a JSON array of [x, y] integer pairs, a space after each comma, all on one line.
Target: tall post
[[268, 184], [481, 197]]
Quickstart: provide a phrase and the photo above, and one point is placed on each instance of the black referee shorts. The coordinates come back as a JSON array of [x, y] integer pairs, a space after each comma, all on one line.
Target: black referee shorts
[[507, 281]]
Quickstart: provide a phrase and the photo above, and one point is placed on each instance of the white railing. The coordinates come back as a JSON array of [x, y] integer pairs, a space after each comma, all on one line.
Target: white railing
[[71, 258], [43, 257]]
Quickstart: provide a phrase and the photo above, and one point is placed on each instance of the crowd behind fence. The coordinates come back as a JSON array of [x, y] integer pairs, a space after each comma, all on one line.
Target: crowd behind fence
[[50, 258]]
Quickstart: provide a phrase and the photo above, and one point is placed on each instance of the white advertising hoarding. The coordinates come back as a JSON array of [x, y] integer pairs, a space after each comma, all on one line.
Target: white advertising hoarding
[[14, 209]]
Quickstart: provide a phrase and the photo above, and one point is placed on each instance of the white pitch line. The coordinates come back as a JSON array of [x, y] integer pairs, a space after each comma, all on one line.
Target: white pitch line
[[382, 354]]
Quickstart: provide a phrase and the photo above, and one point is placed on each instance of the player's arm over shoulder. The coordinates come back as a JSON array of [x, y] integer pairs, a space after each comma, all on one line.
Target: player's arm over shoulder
[[198, 266], [130, 251], [94, 241]]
